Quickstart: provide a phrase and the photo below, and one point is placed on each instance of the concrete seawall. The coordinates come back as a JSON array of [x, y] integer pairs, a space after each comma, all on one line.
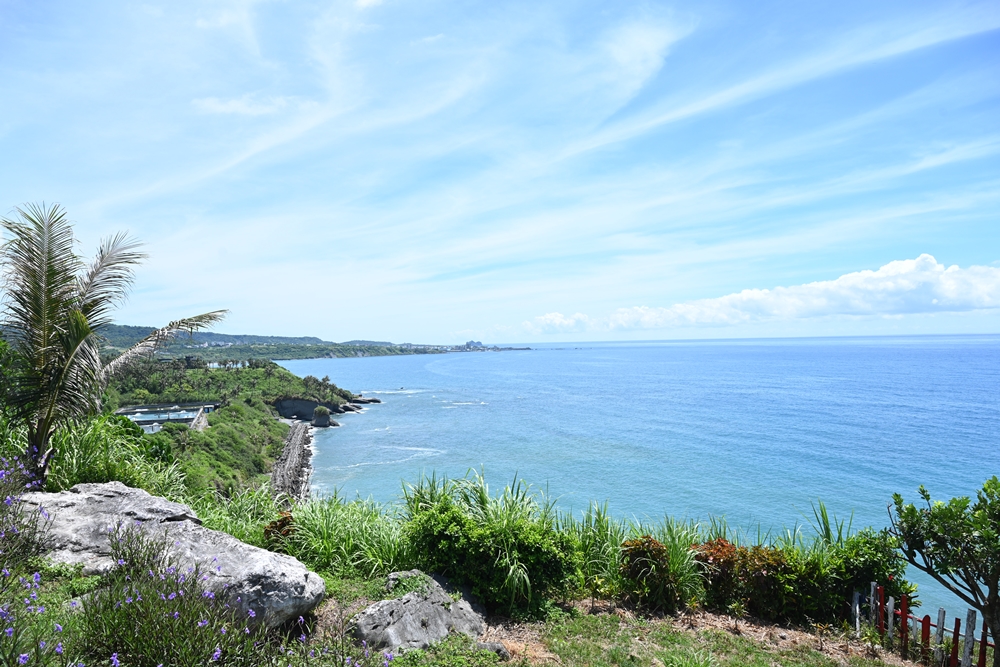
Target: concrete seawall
[[293, 468]]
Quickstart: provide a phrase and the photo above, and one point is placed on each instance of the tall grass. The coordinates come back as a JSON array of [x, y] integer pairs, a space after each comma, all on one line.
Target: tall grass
[[243, 514], [105, 449], [357, 537], [599, 537]]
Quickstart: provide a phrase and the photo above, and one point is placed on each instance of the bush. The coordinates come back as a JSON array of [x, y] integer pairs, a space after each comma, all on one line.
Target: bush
[[645, 568], [30, 631], [149, 612], [719, 562], [871, 555], [765, 581], [506, 548]]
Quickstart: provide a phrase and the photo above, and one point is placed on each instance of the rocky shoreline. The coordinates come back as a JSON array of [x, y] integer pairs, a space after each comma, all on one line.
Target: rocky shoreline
[[293, 469]]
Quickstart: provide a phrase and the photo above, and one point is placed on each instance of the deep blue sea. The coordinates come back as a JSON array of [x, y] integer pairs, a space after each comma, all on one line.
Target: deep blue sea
[[754, 430]]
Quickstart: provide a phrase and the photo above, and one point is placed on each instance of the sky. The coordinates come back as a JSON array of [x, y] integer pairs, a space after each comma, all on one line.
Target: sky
[[522, 171]]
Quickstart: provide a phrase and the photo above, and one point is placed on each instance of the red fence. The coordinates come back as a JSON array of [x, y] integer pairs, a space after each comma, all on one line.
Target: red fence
[[914, 633]]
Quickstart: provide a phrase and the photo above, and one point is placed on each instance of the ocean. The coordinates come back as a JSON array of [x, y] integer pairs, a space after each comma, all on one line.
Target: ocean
[[753, 430]]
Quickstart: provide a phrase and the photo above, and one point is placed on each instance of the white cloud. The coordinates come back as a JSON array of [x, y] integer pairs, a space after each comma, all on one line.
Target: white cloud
[[367, 3], [903, 287], [248, 105], [559, 323]]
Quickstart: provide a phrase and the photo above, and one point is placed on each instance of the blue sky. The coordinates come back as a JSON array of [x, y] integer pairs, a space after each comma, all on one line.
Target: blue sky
[[522, 171]]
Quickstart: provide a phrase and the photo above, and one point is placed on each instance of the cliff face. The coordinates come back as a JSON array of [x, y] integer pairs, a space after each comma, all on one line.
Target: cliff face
[[299, 408]]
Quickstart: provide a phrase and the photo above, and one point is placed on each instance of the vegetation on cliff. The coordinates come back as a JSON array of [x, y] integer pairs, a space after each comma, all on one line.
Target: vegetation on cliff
[[214, 347]]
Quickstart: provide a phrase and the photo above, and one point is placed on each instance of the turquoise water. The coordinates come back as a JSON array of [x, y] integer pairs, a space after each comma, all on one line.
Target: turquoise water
[[752, 430]]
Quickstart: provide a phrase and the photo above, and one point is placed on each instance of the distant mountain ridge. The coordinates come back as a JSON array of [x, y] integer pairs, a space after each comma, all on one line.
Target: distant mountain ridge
[[216, 347], [122, 336]]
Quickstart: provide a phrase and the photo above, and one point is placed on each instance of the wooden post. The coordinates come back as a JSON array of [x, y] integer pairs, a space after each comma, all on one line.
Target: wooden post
[[871, 604], [939, 637], [955, 636], [856, 613], [881, 610], [904, 626], [890, 609], [970, 638], [983, 643], [925, 638]]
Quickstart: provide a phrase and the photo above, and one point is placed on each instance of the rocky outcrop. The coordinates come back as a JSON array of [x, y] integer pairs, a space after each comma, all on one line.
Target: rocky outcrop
[[300, 408], [417, 619], [361, 400], [293, 469], [200, 421], [276, 587]]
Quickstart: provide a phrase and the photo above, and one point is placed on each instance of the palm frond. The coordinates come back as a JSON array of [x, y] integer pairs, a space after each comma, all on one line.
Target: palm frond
[[150, 343], [106, 281]]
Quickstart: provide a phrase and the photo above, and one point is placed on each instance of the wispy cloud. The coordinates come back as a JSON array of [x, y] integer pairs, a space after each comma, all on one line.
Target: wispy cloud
[[903, 287], [249, 105], [472, 164]]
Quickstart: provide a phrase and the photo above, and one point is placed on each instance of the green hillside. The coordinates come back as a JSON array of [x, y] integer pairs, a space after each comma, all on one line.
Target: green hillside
[[216, 347]]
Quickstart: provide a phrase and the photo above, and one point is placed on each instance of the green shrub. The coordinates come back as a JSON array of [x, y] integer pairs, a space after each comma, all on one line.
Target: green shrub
[[506, 548], [871, 555], [645, 568], [766, 581], [29, 629], [150, 612]]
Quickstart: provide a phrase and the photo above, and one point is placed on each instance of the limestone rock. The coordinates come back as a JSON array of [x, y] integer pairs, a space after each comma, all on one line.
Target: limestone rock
[[276, 587], [417, 619], [495, 647]]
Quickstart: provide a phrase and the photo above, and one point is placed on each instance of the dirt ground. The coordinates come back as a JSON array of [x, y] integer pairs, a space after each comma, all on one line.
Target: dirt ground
[[524, 640]]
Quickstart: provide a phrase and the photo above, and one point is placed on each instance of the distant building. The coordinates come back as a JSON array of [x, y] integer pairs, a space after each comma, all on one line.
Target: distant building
[[151, 418]]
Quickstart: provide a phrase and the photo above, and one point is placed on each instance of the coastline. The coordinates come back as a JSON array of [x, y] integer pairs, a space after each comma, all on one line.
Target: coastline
[[293, 469]]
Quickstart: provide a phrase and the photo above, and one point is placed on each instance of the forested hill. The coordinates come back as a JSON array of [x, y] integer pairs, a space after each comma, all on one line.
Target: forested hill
[[220, 347]]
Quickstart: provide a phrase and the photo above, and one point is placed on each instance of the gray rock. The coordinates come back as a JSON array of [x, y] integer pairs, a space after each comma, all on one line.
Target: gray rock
[[362, 400], [276, 587], [495, 647], [418, 619]]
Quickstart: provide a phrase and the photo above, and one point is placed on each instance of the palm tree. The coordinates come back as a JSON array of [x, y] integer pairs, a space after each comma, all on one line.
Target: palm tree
[[54, 307]]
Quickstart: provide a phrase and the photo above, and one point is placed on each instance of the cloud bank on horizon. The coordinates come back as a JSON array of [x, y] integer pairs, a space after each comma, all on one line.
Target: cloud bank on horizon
[[437, 171], [903, 287]]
